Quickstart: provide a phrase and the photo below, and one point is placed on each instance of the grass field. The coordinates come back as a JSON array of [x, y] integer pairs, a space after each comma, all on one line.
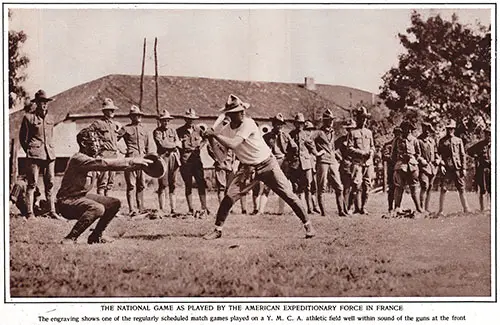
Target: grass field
[[259, 256]]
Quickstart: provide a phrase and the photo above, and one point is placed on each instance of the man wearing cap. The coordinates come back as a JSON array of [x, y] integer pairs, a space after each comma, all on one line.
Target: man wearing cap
[[75, 202], [299, 161], [36, 139], [192, 139], [361, 148], [256, 159], [280, 144], [311, 131], [387, 157], [452, 165], [327, 165], [481, 152], [108, 129], [137, 142], [427, 163], [345, 160], [167, 144], [406, 153]]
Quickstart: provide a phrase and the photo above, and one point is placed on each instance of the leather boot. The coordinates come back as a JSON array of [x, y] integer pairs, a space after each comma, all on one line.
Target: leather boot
[[314, 203], [30, 198], [341, 208], [173, 205], [161, 200], [364, 200], [203, 201], [320, 203], [140, 201], [422, 198], [308, 202], [442, 197], [189, 200], [398, 197], [243, 202], [463, 200], [130, 201], [357, 201], [415, 199], [481, 202], [427, 200], [263, 203], [79, 227]]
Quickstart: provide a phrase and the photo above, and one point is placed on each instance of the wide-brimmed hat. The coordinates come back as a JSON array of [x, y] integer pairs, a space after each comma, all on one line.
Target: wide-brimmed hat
[[157, 168], [349, 124], [299, 117], [107, 103], [397, 129], [134, 110], [328, 114], [234, 104], [406, 125], [308, 125], [429, 126], [362, 111], [279, 118], [191, 114], [41, 96], [165, 115], [451, 124]]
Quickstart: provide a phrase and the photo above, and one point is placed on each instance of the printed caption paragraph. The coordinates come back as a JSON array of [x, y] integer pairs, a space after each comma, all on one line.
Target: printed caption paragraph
[[251, 313]]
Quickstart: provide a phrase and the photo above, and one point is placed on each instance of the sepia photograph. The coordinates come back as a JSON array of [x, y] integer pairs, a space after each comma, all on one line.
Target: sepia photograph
[[316, 153]]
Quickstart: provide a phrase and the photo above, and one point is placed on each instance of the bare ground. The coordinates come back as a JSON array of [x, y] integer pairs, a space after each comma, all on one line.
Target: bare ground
[[360, 256]]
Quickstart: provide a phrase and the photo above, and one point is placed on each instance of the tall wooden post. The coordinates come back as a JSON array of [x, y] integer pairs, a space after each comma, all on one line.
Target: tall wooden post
[[142, 73], [156, 78]]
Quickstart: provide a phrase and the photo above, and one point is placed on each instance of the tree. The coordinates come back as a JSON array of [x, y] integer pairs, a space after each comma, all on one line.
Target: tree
[[445, 71], [17, 65]]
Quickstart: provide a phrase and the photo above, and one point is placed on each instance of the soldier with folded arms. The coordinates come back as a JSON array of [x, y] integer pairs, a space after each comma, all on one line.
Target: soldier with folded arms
[[345, 160], [387, 157], [256, 160], [427, 164], [74, 200], [481, 152]]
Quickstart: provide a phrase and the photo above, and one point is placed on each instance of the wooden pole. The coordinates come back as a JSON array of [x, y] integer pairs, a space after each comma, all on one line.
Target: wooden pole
[[142, 73], [156, 78]]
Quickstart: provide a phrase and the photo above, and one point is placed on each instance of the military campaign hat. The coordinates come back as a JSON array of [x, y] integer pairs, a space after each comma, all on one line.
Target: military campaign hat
[[300, 118], [134, 110], [234, 104], [107, 103], [191, 114], [278, 118], [165, 115], [157, 168], [41, 96]]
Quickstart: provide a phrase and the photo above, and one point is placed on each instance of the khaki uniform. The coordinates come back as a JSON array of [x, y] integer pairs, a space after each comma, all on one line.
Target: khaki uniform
[[481, 151], [108, 131], [167, 143], [137, 141], [361, 148], [191, 165], [345, 167], [452, 152], [387, 157], [36, 139], [281, 145], [299, 161]]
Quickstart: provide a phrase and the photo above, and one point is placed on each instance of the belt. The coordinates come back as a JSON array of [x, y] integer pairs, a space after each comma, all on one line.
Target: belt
[[263, 163]]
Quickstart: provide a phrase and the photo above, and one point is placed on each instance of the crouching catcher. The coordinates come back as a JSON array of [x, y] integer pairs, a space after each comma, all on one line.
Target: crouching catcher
[[75, 202]]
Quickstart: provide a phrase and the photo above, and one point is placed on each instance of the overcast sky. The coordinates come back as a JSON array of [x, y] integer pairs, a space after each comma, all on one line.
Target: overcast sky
[[351, 47]]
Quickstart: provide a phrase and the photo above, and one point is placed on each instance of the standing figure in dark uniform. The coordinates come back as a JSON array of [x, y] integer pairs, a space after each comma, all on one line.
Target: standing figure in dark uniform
[[427, 163], [327, 165], [452, 165], [309, 127], [191, 137], [280, 144], [137, 141], [481, 152], [345, 168], [167, 144], [300, 161], [108, 130], [36, 139], [387, 157], [74, 200], [361, 148]]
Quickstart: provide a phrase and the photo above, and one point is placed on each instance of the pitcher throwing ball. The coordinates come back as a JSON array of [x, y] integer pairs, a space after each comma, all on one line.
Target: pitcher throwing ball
[[245, 139], [74, 200]]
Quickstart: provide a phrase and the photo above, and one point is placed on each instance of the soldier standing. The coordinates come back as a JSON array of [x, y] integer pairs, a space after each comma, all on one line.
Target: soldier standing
[[406, 154], [481, 151], [387, 157], [345, 162], [428, 167], [108, 130], [280, 143], [327, 165], [309, 127], [167, 144], [300, 165], [137, 141], [361, 148], [452, 165], [192, 139], [36, 139]]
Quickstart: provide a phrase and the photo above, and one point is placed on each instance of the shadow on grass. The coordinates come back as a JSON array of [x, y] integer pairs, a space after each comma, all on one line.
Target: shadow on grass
[[161, 236]]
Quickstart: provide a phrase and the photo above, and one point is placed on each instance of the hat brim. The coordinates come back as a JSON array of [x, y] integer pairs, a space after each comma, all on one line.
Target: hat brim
[[165, 118], [139, 114], [157, 168], [191, 117], [35, 100], [238, 108], [109, 108]]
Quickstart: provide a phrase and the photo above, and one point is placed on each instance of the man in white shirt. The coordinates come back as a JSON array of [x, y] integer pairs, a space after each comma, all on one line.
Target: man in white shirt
[[256, 160]]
